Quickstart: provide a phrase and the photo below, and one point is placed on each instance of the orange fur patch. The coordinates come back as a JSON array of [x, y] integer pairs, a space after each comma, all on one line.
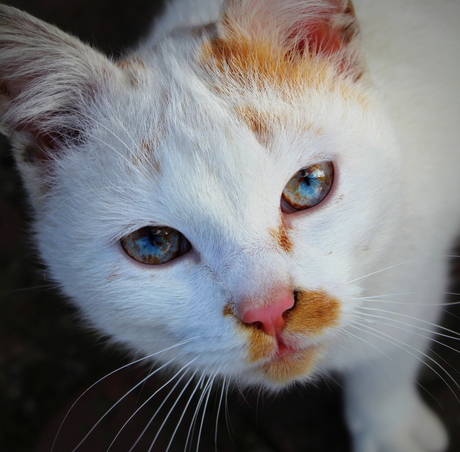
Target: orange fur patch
[[243, 58], [238, 58], [288, 367], [314, 311], [281, 238], [261, 346]]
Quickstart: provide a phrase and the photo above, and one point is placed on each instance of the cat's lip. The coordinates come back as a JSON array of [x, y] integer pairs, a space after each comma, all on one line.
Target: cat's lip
[[284, 349]]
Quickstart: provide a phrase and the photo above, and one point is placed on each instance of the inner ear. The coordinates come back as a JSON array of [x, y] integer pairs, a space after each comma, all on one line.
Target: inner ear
[[327, 29]]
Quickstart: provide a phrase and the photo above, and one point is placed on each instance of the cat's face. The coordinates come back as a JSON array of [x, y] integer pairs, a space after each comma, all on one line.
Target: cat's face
[[202, 136]]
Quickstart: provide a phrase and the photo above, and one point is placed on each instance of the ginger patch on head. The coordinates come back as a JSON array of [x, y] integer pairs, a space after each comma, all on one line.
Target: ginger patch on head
[[314, 311], [243, 58]]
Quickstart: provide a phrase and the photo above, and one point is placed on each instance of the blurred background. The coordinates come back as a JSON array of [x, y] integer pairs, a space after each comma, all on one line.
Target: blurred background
[[47, 358]]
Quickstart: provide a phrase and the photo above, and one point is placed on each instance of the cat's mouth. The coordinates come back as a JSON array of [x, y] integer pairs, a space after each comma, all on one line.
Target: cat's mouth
[[289, 363], [282, 359]]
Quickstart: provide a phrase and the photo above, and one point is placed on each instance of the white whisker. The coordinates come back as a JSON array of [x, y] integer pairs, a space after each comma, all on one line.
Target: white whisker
[[208, 389], [430, 331], [380, 271], [182, 370], [172, 409], [143, 404], [219, 406], [195, 414], [118, 402], [434, 325], [402, 346], [416, 334], [145, 358]]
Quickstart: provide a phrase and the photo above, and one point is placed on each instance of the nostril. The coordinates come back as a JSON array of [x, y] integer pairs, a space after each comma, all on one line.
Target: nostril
[[270, 318], [258, 325]]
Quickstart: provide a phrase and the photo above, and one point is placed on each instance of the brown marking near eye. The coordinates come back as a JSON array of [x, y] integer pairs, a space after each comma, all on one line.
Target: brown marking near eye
[[281, 238], [313, 312]]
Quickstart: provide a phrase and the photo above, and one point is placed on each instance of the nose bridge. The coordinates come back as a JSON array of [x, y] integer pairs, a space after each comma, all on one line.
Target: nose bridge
[[255, 275]]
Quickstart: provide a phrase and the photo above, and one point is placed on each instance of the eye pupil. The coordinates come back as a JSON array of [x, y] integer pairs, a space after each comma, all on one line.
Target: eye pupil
[[306, 178], [308, 187]]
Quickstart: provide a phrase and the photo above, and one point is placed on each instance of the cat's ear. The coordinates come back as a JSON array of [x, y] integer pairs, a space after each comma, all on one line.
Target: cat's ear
[[304, 28], [47, 81]]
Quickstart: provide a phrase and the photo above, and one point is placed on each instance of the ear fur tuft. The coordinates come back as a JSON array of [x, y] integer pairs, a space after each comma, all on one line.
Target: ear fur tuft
[[47, 79]]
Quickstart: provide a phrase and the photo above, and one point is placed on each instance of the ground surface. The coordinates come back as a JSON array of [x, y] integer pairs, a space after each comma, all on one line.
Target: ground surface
[[47, 359]]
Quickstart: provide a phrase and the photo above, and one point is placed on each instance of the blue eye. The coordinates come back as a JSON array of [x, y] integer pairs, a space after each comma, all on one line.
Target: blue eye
[[155, 245], [308, 187]]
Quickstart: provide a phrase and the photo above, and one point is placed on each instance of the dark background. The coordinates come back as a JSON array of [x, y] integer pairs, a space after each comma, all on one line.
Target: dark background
[[47, 358]]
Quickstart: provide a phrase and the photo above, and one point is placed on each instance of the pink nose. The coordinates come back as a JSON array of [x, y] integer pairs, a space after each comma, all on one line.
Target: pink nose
[[270, 318]]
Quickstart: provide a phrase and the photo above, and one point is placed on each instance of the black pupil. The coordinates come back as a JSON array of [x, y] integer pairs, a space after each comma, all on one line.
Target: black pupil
[[306, 177]]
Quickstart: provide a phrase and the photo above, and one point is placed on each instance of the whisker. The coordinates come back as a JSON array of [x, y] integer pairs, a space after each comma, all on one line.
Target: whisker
[[183, 370], [208, 390], [385, 295], [367, 343], [445, 256], [172, 409], [417, 328], [418, 358], [381, 299], [219, 406], [107, 376], [435, 325], [143, 404], [119, 401], [29, 289], [417, 334], [398, 343], [380, 271], [195, 415]]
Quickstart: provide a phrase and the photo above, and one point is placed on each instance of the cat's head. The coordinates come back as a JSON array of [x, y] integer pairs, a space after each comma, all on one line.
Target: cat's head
[[216, 193]]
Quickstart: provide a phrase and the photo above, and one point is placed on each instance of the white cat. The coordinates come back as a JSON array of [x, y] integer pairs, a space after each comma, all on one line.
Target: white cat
[[263, 190]]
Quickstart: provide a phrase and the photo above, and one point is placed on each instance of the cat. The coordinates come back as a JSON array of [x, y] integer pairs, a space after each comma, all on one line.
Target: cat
[[251, 194]]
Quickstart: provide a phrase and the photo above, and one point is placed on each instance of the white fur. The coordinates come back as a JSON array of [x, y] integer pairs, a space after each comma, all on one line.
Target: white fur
[[386, 230]]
